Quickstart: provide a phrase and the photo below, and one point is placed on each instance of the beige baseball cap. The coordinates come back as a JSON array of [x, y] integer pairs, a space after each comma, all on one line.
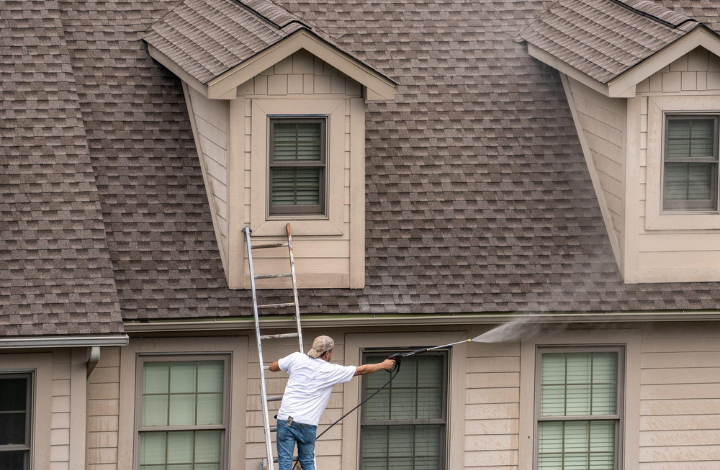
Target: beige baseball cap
[[321, 345]]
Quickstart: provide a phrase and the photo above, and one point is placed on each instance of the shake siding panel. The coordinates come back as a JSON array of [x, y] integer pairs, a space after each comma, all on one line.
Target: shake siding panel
[[102, 438], [680, 408], [492, 406]]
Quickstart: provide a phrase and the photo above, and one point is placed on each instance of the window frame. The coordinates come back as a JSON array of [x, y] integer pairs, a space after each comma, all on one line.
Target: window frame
[[443, 444], [285, 211], [619, 417], [226, 414], [29, 416], [685, 205]]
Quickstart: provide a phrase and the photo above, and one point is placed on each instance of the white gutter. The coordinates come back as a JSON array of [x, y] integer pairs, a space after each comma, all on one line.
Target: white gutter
[[63, 341], [337, 321]]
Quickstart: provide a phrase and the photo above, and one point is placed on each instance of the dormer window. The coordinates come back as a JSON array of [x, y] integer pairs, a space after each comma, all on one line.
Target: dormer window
[[691, 163], [297, 166]]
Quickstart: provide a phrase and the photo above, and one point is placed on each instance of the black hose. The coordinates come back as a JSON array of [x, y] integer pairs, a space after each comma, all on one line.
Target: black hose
[[396, 370]]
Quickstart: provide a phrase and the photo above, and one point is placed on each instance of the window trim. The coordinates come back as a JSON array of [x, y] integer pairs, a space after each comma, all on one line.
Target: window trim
[[619, 397], [29, 415], [283, 212], [445, 353], [684, 205], [142, 358]]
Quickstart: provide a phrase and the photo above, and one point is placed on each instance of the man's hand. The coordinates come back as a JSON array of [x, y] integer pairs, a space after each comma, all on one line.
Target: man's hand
[[387, 364]]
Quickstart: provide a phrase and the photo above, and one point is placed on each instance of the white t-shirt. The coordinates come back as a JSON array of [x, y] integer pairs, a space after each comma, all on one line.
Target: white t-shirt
[[309, 387]]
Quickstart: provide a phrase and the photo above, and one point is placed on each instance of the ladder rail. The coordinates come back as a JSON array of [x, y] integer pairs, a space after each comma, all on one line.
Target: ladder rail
[[263, 391], [294, 287]]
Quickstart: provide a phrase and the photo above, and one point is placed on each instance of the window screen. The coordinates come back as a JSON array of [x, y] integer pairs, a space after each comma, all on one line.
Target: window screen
[[578, 417], [691, 163], [182, 416], [297, 166], [403, 427], [15, 421]]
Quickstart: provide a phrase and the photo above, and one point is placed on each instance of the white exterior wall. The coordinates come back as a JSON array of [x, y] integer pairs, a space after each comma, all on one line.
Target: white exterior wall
[[103, 409]]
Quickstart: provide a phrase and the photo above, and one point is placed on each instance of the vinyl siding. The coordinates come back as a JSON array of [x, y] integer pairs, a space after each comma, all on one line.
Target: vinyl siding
[[103, 409], [684, 255], [61, 409], [602, 120], [210, 124], [680, 398], [321, 261]]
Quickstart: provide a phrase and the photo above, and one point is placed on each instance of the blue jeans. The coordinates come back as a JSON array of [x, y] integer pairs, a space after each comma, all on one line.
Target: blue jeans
[[287, 436]]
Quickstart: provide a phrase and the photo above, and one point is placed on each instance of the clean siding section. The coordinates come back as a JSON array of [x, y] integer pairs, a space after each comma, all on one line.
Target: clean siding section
[[602, 120], [680, 398], [492, 406], [60, 418], [210, 123], [665, 256], [320, 260], [103, 409]]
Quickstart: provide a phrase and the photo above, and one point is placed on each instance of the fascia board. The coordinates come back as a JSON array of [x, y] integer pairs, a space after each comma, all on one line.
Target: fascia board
[[568, 70], [63, 341], [352, 321], [316, 46], [178, 71], [701, 36]]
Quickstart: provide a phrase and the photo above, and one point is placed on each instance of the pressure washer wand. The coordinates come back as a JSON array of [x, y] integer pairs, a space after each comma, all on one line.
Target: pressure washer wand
[[397, 357]]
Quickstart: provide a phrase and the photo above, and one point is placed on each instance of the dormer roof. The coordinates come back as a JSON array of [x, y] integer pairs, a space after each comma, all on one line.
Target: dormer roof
[[206, 40], [603, 40]]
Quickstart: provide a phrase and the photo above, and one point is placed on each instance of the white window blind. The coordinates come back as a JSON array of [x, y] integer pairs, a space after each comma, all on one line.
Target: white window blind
[[578, 415], [403, 427], [297, 166], [691, 163], [185, 400]]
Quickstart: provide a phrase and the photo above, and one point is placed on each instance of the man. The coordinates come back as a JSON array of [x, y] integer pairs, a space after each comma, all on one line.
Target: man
[[312, 378]]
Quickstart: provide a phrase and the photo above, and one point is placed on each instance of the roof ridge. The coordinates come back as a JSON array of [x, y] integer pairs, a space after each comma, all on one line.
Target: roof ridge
[[651, 16], [295, 18]]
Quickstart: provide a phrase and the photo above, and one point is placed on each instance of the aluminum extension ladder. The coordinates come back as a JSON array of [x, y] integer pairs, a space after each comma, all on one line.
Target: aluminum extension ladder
[[264, 398]]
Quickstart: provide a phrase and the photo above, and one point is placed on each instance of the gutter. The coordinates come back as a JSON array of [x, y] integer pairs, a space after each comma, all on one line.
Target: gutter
[[336, 321], [63, 341]]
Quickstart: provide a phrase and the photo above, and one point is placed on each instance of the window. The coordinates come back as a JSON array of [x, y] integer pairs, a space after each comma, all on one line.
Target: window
[[15, 421], [578, 409], [297, 166], [691, 163], [403, 427], [182, 414]]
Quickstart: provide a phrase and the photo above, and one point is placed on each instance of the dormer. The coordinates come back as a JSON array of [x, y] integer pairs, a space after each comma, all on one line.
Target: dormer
[[277, 109], [643, 86]]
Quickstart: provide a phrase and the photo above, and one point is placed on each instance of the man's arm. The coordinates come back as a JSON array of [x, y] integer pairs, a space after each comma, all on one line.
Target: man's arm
[[275, 367], [387, 364]]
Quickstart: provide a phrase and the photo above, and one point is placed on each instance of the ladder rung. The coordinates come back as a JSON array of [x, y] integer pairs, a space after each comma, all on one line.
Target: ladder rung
[[272, 276], [271, 245], [284, 335], [275, 460], [291, 304], [274, 397], [266, 367], [273, 428]]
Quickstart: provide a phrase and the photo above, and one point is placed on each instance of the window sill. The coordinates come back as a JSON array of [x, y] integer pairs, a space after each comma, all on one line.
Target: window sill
[[684, 221], [275, 227]]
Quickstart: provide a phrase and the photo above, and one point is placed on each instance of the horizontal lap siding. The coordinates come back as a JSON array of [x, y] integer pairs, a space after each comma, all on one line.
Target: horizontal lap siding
[[60, 418], [103, 410], [680, 398], [211, 118], [492, 405], [602, 120], [682, 255], [320, 260]]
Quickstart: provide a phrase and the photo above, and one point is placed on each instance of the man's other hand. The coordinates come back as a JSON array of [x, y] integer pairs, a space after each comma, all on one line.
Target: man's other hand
[[388, 364]]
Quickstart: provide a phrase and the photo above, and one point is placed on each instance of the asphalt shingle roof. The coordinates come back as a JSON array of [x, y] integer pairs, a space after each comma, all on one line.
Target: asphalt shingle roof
[[605, 38], [478, 196], [56, 275]]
